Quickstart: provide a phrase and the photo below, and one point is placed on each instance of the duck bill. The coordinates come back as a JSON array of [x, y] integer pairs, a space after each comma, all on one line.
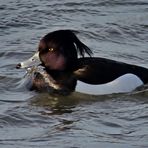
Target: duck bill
[[33, 61]]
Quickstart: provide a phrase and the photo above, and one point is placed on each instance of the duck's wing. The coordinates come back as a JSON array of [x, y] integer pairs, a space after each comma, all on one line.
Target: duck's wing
[[95, 70]]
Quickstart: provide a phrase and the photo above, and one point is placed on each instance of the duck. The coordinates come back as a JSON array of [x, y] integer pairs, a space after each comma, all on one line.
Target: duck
[[64, 64]]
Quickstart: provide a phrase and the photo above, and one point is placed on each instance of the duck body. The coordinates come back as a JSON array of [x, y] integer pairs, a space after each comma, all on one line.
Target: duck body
[[95, 70], [63, 71], [104, 76], [93, 75]]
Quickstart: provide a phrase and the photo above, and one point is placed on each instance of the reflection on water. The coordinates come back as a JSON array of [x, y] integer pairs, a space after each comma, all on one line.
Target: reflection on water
[[54, 104], [112, 29]]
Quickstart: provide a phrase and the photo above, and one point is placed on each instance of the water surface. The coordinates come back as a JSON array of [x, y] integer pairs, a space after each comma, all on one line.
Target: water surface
[[112, 29]]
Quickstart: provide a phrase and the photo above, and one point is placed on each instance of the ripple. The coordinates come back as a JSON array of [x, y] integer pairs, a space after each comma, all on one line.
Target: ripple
[[114, 29]]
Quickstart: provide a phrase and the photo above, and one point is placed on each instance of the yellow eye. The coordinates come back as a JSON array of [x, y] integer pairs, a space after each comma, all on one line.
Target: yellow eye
[[50, 49]]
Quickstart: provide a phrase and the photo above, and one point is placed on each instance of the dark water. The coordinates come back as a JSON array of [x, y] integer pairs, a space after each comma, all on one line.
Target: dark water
[[114, 29]]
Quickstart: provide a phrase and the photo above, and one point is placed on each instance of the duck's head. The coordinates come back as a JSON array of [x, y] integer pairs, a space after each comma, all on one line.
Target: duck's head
[[57, 50]]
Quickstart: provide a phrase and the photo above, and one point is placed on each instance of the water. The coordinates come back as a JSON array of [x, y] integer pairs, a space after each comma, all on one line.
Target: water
[[113, 29]]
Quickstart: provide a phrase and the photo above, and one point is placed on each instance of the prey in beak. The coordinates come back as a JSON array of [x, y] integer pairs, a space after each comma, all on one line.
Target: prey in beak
[[31, 62]]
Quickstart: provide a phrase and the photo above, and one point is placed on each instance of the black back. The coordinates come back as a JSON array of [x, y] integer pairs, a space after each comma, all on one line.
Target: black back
[[100, 70]]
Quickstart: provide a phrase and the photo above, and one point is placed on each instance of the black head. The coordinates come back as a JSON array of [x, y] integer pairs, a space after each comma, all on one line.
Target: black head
[[59, 50]]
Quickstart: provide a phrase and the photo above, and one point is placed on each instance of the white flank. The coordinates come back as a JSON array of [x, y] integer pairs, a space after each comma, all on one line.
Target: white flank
[[123, 84]]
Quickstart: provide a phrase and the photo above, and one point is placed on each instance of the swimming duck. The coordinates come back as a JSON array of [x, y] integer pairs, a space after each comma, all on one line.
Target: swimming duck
[[65, 68]]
